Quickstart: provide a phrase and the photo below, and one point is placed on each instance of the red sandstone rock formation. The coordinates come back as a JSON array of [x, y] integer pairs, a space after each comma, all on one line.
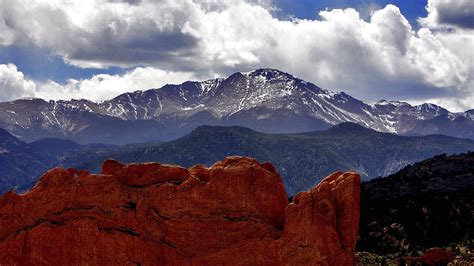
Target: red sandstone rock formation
[[233, 213], [437, 256]]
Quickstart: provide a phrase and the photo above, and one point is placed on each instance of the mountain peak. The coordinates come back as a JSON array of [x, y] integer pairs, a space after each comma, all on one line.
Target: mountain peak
[[268, 71], [431, 108], [268, 74], [260, 71]]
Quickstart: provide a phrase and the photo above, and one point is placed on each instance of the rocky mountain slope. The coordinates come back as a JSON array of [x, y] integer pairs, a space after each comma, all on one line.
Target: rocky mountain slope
[[424, 205], [161, 214], [300, 158], [266, 100]]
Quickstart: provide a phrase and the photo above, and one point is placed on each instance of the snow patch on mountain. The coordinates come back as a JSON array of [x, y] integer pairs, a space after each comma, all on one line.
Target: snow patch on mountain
[[260, 94]]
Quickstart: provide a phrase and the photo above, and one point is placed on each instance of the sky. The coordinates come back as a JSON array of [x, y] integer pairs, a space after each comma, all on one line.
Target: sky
[[411, 50]]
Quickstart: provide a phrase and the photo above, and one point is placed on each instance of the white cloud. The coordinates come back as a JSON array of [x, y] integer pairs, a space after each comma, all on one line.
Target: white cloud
[[104, 86], [452, 24], [383, 57], [13, 83]]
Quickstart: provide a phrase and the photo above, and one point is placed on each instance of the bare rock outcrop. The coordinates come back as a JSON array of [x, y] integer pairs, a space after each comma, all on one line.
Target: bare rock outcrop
[[235, 212]]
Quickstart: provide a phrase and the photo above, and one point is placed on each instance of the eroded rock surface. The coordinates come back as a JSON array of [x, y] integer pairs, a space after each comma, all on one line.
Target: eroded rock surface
[[233, 213]]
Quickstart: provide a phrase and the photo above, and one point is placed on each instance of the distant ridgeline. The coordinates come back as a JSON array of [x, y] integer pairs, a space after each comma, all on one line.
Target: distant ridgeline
[[302, 159], [428, 204]]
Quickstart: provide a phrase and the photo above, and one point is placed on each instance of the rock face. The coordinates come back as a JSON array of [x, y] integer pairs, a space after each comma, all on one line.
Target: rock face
[[233, 213]]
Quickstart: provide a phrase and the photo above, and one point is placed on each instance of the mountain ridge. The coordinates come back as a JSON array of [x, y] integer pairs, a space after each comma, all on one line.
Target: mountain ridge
[[346, 146], [366, 151], [266, 100]]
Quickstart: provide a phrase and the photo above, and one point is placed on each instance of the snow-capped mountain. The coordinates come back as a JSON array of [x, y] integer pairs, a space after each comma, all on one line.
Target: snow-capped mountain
[[267, 100]]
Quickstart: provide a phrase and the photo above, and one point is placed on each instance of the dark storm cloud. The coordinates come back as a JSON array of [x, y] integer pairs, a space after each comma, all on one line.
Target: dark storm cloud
[[459, 13], [453, 13], [145, 34], [135, 44]]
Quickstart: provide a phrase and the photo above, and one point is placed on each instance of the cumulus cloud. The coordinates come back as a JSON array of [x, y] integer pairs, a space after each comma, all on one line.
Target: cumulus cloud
[[104, 86], [13, 83], [98, 33], [457, 13], [381, 57], [452, 24]]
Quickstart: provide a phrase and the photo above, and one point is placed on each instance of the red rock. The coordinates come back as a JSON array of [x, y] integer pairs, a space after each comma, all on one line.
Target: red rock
[[235, 212], [437, 256], [142, 175]]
